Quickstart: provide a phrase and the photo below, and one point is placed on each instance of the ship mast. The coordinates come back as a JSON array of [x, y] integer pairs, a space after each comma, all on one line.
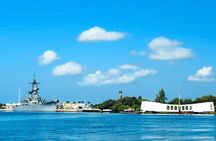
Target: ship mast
[[34, 93], [19, 95], [179, 95]]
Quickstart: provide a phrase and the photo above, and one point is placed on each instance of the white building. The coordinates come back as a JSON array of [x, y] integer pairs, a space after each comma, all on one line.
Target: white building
[[76, 107], [155, 107]]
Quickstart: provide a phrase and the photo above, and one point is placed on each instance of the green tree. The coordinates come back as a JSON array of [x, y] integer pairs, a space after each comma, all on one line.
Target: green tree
[[106, 105], [161, 97], [187, 101], [2, 106], [207, 98], [140, 98], [176, 101], [182, 101]]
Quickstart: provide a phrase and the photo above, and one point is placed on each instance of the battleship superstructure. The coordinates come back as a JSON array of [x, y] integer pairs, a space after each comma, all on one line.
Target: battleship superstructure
[[34, 102]]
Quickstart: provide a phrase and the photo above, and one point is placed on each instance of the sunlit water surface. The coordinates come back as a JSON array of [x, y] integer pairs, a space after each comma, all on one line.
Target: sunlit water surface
[[18, 126]]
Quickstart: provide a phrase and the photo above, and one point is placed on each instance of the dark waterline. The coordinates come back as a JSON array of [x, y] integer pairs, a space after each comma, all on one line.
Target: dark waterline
[[101, 126]]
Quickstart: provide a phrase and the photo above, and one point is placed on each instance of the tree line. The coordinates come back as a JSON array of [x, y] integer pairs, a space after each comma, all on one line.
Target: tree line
[[161, 97], [122, 104]]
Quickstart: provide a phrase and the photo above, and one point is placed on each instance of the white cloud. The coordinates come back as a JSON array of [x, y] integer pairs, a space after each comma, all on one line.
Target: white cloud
[[128, 67], [202, 75], [69, 68], [113, 72], [48, 57], [99, 34], [138, 53], [162, 48], [115, 76]]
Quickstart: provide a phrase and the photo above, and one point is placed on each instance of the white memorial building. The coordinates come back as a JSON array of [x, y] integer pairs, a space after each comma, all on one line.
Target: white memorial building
[[155, 107]]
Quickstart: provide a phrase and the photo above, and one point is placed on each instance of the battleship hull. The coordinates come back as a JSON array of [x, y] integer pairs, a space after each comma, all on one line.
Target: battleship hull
[[36, 108]]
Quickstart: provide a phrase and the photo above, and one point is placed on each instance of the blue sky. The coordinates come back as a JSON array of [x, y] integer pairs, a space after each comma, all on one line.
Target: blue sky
[[89, 50]]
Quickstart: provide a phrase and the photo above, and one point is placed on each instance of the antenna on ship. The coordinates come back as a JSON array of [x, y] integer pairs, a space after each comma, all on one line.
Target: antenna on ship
[[34, 76]]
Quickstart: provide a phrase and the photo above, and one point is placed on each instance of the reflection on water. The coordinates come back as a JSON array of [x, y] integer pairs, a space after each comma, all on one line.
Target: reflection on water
[[97, 126]]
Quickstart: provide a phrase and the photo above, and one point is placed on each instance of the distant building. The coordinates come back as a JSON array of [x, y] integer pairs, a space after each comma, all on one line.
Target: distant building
[[73, 106], [155, 107], [76, 107], [9, 106]]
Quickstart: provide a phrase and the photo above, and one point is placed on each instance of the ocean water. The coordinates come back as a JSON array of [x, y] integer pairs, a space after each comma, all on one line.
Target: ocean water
[[19, 126]]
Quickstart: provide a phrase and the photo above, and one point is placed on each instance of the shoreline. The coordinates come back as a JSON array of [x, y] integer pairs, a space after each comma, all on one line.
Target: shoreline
[[113, 112], [123, 113]]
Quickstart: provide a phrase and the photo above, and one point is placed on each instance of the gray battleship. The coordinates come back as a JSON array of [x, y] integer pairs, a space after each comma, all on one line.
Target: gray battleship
[[34, 102]]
